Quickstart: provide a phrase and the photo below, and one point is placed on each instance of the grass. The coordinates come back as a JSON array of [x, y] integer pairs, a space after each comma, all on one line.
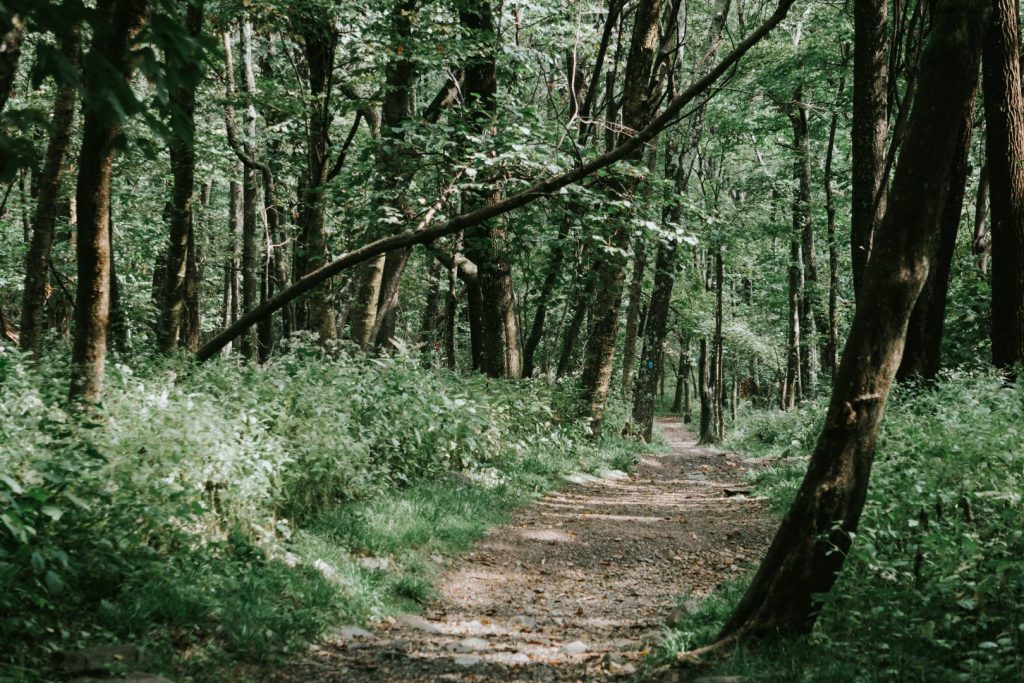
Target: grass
[[933, 588]]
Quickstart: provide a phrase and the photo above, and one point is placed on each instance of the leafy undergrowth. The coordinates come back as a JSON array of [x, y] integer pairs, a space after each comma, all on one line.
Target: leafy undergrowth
[[933, 589], [223, 516]]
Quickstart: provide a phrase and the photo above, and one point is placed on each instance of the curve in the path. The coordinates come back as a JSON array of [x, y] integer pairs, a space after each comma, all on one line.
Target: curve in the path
[[576, 586]]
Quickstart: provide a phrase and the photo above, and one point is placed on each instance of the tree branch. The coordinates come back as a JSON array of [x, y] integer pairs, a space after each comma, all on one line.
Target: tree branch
[[540, 189]]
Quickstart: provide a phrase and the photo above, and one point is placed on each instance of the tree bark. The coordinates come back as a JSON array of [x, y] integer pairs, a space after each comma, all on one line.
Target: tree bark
[[118, 24], [707, 410], [183, 170], [810, 546], [791, 391], [679, 168], [610, 265], [547, 288], [980, 245], [832, 343], [636, 292], [803, 227], [487, 244], [870, 128], [399, 79], [12, 34], [37, 260], [319, 40], [1004, 122], [922, 352]]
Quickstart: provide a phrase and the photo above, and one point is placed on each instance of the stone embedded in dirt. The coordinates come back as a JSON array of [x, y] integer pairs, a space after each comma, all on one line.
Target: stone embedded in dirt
[[94, 659], [467, 645], [419, 623], [134, 677], [374, 563], [466, 660], [524, 622], [576, 647], [627, 644], [351, 633], [518, 659]]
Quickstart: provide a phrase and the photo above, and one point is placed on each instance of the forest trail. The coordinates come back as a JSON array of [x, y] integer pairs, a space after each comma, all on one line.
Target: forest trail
[[576, 586]]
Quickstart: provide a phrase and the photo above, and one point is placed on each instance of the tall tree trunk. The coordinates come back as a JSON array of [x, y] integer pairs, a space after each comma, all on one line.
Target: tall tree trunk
[[575, 324], [707, 409], [12, 33], [980, 245], [1004, 122], [547, 288], [183, 170], [118, 329], [922, 352], [870, 128], [636, 292], [809, 549], [803, 227], [681, 377], [832, 344], [319, 47], [399, 79], [791, 391], [679, 168], [232, 262], [636, 110], [487, 244], [719, 368], [37, 260], [118, 23]]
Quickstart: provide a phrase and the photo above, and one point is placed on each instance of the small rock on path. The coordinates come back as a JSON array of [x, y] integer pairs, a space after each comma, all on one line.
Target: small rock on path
[[577, 586]]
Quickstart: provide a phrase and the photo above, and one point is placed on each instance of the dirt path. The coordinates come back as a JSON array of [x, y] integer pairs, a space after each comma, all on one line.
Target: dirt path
[[576, 586]]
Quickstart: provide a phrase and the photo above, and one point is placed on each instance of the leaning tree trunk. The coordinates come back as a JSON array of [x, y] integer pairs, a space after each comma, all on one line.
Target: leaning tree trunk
[[37, 260], [810, 546], [1004, 117], [118, 23], [183, 169], [922, 353], [870, 128]]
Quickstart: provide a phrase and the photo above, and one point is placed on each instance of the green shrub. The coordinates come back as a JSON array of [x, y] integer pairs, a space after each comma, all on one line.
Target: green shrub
[[933, 588], [223, 508]]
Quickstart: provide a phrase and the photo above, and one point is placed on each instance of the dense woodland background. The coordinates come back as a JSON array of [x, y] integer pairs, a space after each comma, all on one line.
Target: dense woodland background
[[499, 237]]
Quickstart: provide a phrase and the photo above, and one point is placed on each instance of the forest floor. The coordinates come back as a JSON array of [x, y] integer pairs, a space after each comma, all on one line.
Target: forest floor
[[576, 586]]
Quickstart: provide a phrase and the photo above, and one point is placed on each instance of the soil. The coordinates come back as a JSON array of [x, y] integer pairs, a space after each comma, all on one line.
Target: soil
[[578, 586]]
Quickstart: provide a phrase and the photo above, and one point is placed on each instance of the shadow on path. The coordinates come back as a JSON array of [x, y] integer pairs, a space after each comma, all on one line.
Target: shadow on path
[[576, 586]]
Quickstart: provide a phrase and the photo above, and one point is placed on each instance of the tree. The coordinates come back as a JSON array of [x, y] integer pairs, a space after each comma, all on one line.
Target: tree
[[37, 259], [183, 169], [809, 548], [118, 23], [1004, 118], [870, 128]]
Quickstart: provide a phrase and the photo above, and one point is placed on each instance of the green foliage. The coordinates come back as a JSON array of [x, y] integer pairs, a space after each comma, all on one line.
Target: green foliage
[[933, 588], [225, 509]]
